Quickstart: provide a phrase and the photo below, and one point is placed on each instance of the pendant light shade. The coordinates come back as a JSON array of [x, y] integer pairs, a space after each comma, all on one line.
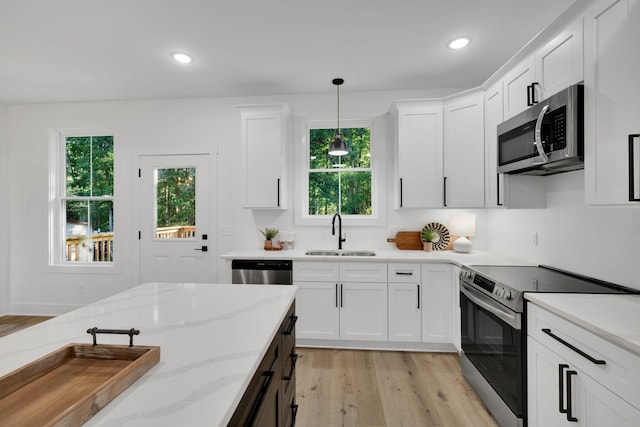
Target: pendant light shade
[[338, 147]]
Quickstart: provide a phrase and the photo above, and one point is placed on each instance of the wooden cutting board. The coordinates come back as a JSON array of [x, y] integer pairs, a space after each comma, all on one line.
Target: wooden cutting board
[[407, 240]]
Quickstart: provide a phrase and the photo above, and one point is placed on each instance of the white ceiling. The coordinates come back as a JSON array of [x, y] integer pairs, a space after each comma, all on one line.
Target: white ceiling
[[79, 50]]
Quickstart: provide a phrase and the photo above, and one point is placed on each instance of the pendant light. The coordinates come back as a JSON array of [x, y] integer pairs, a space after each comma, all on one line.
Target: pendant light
[[338, 147]]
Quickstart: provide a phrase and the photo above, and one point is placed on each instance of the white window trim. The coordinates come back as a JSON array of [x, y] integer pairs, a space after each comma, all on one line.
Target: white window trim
[[301, 172], [57, 163]]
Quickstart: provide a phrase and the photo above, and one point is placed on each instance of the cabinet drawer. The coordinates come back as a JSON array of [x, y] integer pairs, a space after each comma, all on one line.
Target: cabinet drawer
[[367, 272], [621, 371], [403, 273], [315, 271]]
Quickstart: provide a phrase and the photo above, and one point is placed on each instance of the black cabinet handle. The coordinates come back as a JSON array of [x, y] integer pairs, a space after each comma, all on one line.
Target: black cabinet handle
[[570, 416], [278, 184], [418, 286], [294, 360], [531, 94], [261, 394], [498, 202], [341, 298], [336, 295], [561, 406], [294, 412], [404, 273], [574, 348], [292, 323], [444, 192], [632, 171], [400, 192]]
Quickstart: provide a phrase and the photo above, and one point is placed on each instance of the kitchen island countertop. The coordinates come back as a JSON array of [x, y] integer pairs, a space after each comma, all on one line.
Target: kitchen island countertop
[[212, 338]]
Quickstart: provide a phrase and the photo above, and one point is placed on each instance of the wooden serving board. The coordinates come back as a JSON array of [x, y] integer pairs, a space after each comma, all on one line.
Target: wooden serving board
[[407, 240], [70, 385]]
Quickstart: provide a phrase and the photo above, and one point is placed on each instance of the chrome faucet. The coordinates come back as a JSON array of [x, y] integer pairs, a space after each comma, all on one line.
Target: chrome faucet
[[333, 229]]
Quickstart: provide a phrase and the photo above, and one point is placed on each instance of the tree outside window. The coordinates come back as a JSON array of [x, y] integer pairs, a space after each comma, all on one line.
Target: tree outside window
[[340, 184], [87, 199]]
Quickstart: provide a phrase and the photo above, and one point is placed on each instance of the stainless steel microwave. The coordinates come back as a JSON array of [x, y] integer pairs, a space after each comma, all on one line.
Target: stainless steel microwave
[[545, 139]]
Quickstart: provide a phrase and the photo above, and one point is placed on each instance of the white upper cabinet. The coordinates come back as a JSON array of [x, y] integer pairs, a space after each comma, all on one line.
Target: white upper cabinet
[[555, 66], [263, 136], [464, 151], [493, 116], [419, 143], [518, 87], [559, 63], [612, 109]]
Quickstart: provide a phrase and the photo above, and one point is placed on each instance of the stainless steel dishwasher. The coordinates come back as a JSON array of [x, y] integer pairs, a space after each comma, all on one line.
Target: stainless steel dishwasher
[[252, 272]]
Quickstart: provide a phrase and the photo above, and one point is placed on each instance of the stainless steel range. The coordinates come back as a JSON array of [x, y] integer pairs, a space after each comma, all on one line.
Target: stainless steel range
[[493, 329]]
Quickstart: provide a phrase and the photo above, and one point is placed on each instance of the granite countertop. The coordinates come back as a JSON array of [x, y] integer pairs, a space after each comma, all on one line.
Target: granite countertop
[[615, 318], [212, 339], [382, 255]]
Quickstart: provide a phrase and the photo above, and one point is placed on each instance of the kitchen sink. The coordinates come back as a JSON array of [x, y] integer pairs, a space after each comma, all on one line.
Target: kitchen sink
[[322, 253], [358, 253], [339, 253]]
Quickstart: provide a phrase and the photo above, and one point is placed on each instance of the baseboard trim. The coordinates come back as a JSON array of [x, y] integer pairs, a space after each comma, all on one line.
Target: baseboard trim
[[377, 345], [41, 309]]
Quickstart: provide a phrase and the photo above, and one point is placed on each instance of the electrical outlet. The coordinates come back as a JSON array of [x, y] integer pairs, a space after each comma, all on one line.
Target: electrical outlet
[[82, 288], [534, 239], [226, 230]]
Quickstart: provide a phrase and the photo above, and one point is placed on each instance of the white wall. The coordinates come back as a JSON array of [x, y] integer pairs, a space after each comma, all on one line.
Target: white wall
[[145, 127], [602, 242], [4, 214]]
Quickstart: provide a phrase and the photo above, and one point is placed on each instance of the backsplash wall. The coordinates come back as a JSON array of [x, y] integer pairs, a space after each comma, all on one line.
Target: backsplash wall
[[601, 242]]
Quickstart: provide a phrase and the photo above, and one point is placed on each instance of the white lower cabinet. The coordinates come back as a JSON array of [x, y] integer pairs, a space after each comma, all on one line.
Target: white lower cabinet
[[565, 387], [438, 291], [405, 305], [379, 303], [346, 301]]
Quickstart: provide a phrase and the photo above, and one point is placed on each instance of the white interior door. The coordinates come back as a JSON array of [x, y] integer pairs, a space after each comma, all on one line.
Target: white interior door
[[174, 230]]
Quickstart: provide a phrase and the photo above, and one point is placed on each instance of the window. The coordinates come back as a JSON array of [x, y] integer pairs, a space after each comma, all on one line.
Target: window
[[340, 184], [82, 227]]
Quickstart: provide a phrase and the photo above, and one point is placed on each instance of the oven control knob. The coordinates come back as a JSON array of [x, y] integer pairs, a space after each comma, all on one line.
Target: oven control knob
[[499, 292], [508, 295]]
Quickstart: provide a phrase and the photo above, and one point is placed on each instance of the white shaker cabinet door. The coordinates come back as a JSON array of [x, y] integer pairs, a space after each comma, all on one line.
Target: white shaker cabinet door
[[612, 107], [404, 312], [363, 311], [438, 311], [317, 307], [419, 139], [464, 152]]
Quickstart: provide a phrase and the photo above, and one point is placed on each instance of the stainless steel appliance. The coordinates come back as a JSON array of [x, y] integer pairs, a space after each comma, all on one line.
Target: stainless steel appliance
[[545, 139], [493, 329], [263, 272]]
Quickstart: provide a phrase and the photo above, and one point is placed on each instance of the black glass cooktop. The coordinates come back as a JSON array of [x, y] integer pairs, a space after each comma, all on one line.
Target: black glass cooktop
[[546, 279]]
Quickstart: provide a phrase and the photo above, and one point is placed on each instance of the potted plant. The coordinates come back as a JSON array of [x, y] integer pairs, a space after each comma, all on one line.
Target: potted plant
[[269, 234], [428, 236]]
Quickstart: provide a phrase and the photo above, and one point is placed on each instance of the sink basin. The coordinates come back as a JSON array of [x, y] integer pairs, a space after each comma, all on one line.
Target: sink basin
[[358, 253], [322, 253]]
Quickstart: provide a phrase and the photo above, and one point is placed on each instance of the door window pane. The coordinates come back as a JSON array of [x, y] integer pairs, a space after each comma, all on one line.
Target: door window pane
[[175, 203]]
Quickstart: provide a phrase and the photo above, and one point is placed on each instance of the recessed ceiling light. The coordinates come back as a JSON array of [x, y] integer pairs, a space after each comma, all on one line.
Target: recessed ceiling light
[[459, 43], [182, 58]]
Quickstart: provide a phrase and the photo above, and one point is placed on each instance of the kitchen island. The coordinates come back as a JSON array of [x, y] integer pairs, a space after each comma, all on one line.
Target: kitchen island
[[212, 337]]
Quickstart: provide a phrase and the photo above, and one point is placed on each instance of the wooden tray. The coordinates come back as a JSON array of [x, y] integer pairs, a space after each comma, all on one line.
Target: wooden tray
[[70, 385]]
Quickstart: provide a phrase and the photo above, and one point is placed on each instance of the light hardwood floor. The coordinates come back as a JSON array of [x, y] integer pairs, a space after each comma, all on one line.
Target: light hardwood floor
[[384, 388], [11, 324]]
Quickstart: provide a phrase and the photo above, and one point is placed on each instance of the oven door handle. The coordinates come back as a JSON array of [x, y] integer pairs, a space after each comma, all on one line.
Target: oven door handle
[[509, 317]]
